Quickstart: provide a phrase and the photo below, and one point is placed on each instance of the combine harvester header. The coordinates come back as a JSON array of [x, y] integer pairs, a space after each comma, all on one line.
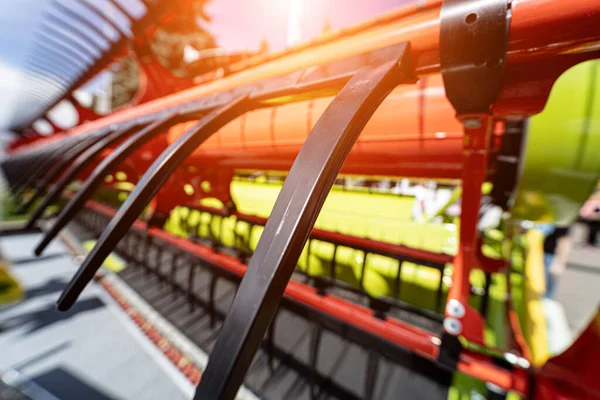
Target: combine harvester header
[[444, 90]]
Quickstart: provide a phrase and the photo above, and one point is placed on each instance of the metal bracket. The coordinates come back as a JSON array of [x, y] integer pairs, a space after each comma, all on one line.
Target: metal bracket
[[473, 45], [293, 217], [50, 175], [33, 163], [42, 160], [509, 164]]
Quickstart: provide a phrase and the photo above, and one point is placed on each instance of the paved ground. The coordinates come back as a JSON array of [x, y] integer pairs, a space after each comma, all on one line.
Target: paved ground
[[93, 352], [577, 290], [578, 287]]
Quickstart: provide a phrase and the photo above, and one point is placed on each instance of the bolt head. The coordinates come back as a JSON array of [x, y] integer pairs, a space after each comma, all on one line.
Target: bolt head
[[455, 309], [511, 358], [452, 326]]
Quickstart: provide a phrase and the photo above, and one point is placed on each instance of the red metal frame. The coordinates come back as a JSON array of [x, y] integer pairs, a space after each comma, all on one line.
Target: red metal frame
[[574, 373], [546, 38], [395, 331]]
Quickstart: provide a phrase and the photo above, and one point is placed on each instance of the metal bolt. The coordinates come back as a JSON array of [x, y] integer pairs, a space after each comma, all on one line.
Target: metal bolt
[[523, 363], [452, 326], [472, 123], [511, 358], [455, 309]]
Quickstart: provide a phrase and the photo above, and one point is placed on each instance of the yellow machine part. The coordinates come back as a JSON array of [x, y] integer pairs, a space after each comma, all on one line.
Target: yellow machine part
[[10, 289]]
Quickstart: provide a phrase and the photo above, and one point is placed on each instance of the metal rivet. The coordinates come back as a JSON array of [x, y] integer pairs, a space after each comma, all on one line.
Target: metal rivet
[[455, 309], [452, 326]]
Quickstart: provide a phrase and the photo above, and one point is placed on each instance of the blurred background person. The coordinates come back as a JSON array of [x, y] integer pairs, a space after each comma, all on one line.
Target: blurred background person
[[424, 204], [557, 245], [590, 216]]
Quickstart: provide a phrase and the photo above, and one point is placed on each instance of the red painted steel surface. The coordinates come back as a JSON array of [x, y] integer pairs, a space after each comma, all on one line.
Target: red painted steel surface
[[574, 373], [393, 143]]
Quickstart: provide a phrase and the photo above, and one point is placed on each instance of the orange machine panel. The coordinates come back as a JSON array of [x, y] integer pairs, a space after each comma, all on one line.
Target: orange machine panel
[[414, 133]]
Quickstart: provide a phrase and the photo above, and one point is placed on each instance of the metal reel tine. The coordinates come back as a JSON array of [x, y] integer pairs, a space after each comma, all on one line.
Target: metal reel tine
[[104, 168], [146, 188], [39, 168], [80, 163], [291, 221], [54, 172], [32, 160], [53, 154]]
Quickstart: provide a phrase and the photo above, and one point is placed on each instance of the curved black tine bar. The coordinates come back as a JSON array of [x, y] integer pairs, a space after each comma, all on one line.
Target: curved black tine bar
[[54, 172], [60, 151], [56, 155], [104, 168], [71, 173], [26, 159], [326, 80], [19, 166], [292, 219], [48, 154], [148, 185]]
